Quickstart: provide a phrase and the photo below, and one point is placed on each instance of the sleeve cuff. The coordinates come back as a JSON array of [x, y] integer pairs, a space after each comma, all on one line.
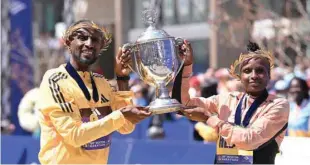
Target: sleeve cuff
[[118, 117], [213, 121], [122, 99]]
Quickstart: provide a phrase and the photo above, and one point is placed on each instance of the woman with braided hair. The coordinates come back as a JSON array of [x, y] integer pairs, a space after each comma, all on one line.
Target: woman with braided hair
[[251, 124]]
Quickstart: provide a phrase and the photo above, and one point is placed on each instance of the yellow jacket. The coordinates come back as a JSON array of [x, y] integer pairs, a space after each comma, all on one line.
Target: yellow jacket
[[71, 133]]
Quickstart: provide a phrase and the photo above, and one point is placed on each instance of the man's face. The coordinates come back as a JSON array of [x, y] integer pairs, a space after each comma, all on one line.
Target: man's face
[[85, 45], [255, 76]]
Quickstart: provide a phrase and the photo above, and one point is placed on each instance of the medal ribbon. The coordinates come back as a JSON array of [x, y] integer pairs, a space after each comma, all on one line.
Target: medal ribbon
[[258, 101], [73, 73]]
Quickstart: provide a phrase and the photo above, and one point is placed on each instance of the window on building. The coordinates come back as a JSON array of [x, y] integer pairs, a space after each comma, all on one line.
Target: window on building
[[173, 12], [201, 60], [139, 7], [168, 12], [183, 11], [200, 10]]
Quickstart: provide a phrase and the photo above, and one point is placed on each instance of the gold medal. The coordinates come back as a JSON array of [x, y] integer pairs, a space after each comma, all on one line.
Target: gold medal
[[94, 115]]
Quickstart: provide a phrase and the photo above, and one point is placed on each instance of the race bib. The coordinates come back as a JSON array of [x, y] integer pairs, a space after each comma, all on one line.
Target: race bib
[[230, 155], [100, 143]]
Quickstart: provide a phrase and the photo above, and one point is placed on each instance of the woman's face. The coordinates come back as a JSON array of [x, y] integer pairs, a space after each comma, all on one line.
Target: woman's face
[[255, 76]]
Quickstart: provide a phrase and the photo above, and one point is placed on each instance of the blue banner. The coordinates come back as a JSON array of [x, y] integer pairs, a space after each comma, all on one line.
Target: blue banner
[[21, 55], [25, 149]]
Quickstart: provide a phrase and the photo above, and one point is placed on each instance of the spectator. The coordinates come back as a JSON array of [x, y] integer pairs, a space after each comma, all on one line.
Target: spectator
[[223, 77], [27, 112], [194, 87], [281, 88], [6, 126], [299, 120], [138, 99]]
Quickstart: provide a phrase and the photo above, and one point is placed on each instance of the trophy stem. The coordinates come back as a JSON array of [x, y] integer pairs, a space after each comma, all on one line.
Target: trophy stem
[[163, 103], [162, 91]]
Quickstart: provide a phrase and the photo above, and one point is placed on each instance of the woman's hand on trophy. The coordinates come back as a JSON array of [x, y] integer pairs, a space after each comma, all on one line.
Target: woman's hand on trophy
[[135, 114], [123, 60], [186, 52], [196, 114]]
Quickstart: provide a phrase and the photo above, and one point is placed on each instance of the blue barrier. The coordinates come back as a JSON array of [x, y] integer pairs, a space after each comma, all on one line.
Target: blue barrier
[[24, 150], [180, 129]]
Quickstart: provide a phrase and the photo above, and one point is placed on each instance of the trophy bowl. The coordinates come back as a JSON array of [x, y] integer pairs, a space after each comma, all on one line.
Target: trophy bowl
[[155, 59]]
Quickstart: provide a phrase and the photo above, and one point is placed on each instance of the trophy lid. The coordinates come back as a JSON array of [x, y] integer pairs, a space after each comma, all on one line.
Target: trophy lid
[[152, 32]]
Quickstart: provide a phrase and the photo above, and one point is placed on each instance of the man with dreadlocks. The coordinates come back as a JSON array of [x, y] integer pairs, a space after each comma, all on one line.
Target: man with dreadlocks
[[78, 108], [251, 125]]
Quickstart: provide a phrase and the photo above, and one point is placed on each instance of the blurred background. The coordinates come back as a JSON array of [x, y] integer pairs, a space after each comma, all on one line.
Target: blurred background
[[219, 30]]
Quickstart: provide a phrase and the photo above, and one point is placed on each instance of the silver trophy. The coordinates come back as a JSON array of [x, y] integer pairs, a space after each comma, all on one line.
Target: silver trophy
[[155, 59]]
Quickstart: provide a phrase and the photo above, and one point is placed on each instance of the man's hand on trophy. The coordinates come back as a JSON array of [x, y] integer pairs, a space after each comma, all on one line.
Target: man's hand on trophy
[[135, 114], [186, 52], [123, 60]]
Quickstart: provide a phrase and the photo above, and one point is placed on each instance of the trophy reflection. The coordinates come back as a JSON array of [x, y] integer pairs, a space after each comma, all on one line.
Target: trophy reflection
[[155, 59]]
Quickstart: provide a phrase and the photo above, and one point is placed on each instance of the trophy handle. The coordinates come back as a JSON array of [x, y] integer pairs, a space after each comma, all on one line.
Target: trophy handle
[[179, 42], [130, 47]]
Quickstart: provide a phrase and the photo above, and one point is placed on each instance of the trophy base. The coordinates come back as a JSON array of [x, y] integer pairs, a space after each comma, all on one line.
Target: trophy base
[[161, 106]]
